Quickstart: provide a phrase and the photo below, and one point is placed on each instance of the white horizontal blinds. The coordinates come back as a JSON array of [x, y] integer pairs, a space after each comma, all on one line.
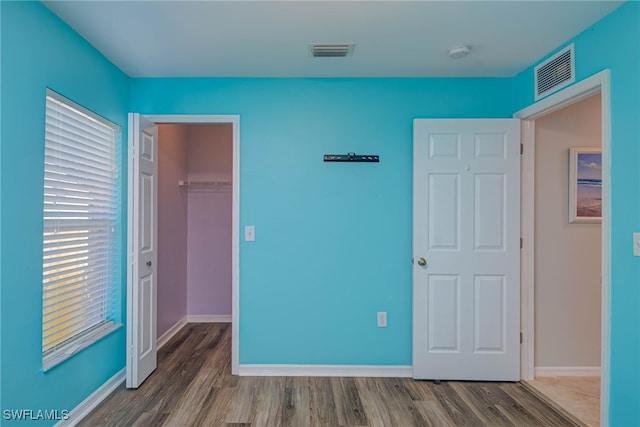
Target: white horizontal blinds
[[80, 240]]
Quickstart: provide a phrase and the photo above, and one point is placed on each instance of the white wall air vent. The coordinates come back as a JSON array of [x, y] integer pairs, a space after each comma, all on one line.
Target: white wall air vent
[[333, 50], [555, 73]]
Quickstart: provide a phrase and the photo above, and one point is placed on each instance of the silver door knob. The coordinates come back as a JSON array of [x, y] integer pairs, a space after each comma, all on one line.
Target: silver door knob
[[148, 263], [422, 262]]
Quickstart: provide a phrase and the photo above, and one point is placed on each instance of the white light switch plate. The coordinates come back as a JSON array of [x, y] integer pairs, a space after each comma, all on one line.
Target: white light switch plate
[[249, 233], [636, 244]]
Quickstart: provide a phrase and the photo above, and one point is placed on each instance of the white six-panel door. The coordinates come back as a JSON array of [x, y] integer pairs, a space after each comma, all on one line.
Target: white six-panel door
[[142, 250], [466, 231]]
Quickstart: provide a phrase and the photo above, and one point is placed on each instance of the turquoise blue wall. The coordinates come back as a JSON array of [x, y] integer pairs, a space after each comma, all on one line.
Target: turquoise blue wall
[[39, 51], [614, 43], [333, 240], [0, 208]]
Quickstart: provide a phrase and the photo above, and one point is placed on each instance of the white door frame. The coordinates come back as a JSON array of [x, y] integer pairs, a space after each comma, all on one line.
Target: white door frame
[[234, 120], [598, 83]]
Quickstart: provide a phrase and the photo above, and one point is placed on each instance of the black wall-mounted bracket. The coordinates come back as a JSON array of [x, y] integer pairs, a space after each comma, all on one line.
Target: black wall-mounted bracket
[[352, 157]]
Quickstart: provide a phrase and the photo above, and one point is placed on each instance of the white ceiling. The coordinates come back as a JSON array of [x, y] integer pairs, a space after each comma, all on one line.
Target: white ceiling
[[270, 38]]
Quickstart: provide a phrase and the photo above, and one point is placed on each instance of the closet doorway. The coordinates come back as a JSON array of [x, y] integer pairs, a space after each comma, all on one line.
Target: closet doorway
[[198, 223]]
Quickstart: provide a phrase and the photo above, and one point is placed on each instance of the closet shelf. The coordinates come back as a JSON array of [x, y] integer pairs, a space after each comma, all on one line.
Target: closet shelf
[[214, 186]]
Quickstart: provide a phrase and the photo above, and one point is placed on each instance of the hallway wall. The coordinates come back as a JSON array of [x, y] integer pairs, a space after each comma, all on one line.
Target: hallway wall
[[567, 256]]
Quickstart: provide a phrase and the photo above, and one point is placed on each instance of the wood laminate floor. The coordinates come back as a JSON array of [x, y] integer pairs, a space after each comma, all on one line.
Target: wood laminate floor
[[193, 386]]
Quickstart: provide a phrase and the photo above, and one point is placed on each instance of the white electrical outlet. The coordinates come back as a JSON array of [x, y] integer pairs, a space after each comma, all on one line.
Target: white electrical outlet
[[636, 244], [382, 319]]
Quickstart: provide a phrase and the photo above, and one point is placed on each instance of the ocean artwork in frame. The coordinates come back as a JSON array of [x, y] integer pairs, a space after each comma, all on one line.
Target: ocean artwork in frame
[[585, 185]]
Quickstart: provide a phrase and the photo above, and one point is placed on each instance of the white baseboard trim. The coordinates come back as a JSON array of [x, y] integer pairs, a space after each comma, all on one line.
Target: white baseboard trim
[[209, 318], [164, 338], [85, 407], [396, 371], [567, 371]]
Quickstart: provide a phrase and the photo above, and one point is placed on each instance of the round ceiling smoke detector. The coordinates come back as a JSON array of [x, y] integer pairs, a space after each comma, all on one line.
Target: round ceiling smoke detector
[[458, 52]]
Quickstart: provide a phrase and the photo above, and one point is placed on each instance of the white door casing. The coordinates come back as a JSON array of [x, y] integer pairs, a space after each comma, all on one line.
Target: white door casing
[[142, 250], [466, 226]]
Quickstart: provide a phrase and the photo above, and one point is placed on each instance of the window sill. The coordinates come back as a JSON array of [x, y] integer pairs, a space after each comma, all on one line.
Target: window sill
[[76, 345]]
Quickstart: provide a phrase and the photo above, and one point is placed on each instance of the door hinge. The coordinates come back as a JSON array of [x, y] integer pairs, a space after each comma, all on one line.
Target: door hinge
[[521, 148], [520, 337], [521, 243]]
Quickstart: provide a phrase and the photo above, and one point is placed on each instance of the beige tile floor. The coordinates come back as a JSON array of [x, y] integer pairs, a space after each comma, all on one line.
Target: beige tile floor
[[580, 396]]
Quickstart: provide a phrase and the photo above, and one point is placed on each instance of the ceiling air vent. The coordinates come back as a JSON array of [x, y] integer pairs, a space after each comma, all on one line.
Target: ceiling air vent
[[333, 50], [555, 73]]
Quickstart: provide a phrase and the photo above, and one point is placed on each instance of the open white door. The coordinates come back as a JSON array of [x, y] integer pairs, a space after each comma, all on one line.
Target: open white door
[[142, 250], [466, 248]]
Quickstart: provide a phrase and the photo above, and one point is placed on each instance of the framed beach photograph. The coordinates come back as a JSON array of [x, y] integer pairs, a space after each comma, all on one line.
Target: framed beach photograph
[[585, 185]]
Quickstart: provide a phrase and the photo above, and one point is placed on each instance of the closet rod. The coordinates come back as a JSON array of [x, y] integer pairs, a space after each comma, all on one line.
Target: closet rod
[[223, 186], [182, 183]]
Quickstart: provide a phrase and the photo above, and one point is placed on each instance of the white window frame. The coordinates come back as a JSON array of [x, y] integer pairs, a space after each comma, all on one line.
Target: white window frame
[[81, 189]]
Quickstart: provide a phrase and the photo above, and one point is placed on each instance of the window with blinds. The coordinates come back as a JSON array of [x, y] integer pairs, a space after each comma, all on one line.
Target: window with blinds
[[81, 239]]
